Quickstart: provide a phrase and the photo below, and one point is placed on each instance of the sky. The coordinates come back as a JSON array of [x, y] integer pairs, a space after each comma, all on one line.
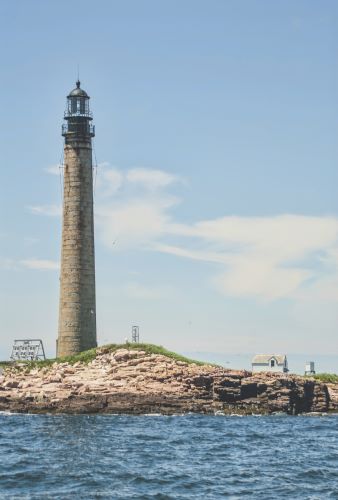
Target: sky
[[216, 172]]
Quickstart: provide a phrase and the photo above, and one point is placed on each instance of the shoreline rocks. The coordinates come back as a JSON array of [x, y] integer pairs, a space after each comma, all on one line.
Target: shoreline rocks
[[134, 382]]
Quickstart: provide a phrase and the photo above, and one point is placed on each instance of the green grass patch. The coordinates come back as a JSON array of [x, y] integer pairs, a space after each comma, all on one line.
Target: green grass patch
[[328, 378], [90, 355], [158, 349], [5, 364]]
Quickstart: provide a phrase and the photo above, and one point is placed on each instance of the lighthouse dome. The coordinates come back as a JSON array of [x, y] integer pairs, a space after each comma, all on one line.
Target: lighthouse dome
[[78, 92]]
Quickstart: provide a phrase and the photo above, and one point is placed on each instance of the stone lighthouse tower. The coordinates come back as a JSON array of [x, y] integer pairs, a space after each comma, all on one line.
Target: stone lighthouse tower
[[77, 312]]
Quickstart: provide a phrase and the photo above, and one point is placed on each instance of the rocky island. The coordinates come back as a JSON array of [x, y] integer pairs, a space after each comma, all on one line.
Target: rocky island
[[145, 379]]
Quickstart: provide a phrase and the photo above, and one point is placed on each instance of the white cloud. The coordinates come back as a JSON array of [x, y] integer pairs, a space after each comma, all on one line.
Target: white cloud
[[282, 237], [259, 278], [54, 169], [202, 255], [264, 257], [40, 264], [50, 210], [126, 213], [151, 179], [282, 256], [109, 182], [133, 223]]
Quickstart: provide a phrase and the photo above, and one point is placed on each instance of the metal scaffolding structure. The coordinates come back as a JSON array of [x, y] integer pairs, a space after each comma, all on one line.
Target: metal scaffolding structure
[[28, 350]]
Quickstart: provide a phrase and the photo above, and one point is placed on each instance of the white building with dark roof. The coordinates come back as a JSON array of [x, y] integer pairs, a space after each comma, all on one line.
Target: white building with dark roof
[[277, 363]]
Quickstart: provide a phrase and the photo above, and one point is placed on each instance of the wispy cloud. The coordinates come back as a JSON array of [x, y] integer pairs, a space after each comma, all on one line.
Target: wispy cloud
[[282, 256], [50, 210], [150, 178], [264, 257], [54, 169], [8, 264], [40, 264], [132, 223], [109, 181], [132, 207]]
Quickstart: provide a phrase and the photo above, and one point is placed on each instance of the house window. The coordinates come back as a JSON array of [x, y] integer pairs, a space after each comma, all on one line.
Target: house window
[[272, 363]]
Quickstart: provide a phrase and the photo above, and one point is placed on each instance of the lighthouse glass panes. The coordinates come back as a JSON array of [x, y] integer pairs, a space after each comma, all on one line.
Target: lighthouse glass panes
[[78, 115], [78, 106]]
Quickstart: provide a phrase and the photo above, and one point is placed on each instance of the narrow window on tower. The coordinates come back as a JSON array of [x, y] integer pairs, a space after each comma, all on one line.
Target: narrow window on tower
[[73, 104], [82, 106]]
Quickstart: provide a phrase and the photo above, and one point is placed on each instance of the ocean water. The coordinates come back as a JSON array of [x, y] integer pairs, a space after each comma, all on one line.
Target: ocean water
[[159, 457]]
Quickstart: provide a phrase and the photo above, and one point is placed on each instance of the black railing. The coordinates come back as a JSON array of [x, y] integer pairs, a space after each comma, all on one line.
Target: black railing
[[84, 114], [78, 129]]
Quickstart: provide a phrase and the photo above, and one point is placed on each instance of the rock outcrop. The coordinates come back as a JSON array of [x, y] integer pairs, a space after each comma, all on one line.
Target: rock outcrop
[[333, 394], [134, 382]]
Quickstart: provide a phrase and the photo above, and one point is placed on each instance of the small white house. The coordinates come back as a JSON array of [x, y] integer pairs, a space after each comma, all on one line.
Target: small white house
[[270, 363]]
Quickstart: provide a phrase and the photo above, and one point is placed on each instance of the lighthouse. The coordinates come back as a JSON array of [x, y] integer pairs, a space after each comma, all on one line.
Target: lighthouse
[[77, 308]]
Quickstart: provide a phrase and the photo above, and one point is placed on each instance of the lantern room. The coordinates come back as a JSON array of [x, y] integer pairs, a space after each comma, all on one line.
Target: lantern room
[[78, 115]]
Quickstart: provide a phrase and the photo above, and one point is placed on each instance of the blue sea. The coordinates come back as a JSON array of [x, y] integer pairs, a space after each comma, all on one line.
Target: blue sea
[[160, 457]]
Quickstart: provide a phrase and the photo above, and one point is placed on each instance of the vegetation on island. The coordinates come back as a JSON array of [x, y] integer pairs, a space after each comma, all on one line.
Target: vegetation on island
[[87, 356], [90, 355], [327, 378]]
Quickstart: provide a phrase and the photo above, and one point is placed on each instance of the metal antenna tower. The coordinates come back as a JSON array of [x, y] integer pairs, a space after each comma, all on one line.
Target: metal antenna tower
[[135, 334]]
